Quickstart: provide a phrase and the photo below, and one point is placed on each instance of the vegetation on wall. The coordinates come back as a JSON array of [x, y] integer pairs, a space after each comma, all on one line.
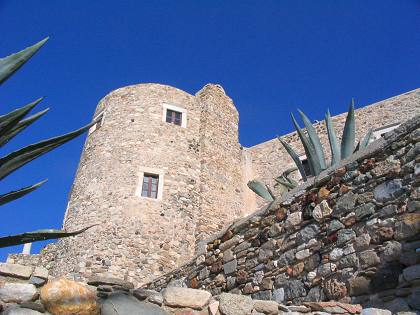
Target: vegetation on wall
[[11, 124]]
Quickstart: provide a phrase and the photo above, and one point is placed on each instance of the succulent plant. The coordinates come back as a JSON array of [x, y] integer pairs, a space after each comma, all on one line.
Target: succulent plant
[[313, 147], [12, 124]]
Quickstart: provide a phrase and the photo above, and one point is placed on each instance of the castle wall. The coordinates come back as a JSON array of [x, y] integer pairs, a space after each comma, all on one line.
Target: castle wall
[[353, 235], [270, 159]]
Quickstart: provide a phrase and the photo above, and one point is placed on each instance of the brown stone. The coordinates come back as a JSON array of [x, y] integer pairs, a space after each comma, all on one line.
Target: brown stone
[[281, 214], [344, 189], [298, 269], [186, 297], [358, 286], [228, 235], [63, 297], [334, 289], [241, 276], [194, 283]]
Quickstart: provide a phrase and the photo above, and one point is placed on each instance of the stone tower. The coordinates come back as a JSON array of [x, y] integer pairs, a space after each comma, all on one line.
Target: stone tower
[[160, 171]]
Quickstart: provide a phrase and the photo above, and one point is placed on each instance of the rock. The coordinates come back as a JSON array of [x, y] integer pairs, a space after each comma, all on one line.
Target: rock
[[62, 296], [312, 262], [388, 210], [368, 258], [334, 307], [326, 269], [17, 292], [33, 306], [344, 204], [156, 298], [334, 289], [307, 233], [305, 253], [233, 304], [407, 227], [213, 307], [386, 277], [143, 294], [293, 219], [349, 261], [336, 254], [264, 254], [15, 310], [122, 304], [392, 251], [358, 286], [334, 226], [287, 258], [228, 255], [15, 270], [364, 211], [321, 211], [229, 243], [262, 295], [266, 307], [278, 295], [185, 297], [294, 289], [37, 281], [375, 311], [41, 272], [388, 190], [411, 273], [315, 294], [345, 235], [230, 267], [102, 280], [396, 304], [414, 299]]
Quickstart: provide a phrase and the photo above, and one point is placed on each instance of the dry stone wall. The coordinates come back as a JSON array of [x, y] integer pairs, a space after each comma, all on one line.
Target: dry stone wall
[[270, 159], [352, 235]]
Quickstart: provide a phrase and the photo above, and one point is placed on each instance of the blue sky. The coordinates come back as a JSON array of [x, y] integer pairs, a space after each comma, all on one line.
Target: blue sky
[[270, 56]]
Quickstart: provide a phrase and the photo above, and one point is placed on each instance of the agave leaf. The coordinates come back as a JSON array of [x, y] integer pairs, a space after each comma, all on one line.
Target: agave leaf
[[357, 147], [295, 158], [347, 142], [10, 64], [261, 190], [13, 195], [39, 235], [270, 192], [10, 120], [289, 171], [6, 137], [332, 138], [293, 182], [366, 139], [314, 139], [310, 152], [17, 159], [283, 182]]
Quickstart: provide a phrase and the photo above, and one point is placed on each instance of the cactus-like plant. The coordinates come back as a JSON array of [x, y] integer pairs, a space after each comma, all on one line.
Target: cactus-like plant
[[313, 147], [12, 124]]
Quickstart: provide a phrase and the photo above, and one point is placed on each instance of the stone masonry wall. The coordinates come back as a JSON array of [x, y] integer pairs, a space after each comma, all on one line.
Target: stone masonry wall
[[352, 235], [270, 159]]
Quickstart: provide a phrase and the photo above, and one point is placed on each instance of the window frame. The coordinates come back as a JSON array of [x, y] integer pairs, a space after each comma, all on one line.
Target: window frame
[[150, 191], [147, 171], [175, 108]]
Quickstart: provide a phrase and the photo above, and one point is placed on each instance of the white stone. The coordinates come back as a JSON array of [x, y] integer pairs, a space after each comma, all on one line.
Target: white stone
[[17, 292], [303, 254], [186, 297], [336, 254], [15, 270], [40, 272], [375, 311], [321, 211]]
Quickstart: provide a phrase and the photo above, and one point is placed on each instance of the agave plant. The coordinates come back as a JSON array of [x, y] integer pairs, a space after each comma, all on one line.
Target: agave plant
[[313, 147], [283, 180], [12, 124]]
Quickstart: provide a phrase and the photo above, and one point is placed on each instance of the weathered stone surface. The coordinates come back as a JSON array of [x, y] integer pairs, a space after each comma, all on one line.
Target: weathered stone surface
[[412, 273], [386, 277], [364, 211], [15, 310], [334, 226], [375, 311], [334, 289], [388, 190], [142, 294], [101, 280], [122, 304], [230, 267], [408, 226], [294, 289], [40, 272], [336, 254], [266, 307], [368, 258], [293, 219], [414, 299], [307, 233], [185, 297], [358, 286], [17, 292], [36, 281], [345, 204], [278, 295], [63, 296], [15, 270], [321, 211], [345, 235], [232, 304], [392, 251]]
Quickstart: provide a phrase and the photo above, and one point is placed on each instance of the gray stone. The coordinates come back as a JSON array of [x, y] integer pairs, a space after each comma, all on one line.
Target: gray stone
[[15, 310], [281, 280], [186, 297], [262, 295], [278, 295], [375, 311], [15, 270], [229, 243], [307, 233], [412, 273], [228, 255], [33, 306], [344, 204], [345, 235], [315, 294], [388, 190], [362, 242], [326, 269], [396, 305], [336, 254], [408, 226], [17, 292], [349, 261], [368, 258], [293, 219], [287, 258], [142, 294], [414, 299], [312, 262], [303, 254], [230, 267], [204, 273], [242, 246], [388, 210], [37, 281], [156, 298], [294, 289], [264, 254], [392, 251], [40, 272], [334, 225], [234, 304], [122, 304], [97, 280], [358, 286], [364, 211], [413, 206]]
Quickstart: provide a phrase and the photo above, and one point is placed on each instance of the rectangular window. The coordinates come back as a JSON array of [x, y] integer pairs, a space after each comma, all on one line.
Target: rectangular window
[[173, 117], [150, 186]]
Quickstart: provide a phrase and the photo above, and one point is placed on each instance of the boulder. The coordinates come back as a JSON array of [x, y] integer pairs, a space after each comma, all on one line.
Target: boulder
[[62, 297], [15, 270], [388, 190], [17, 292], [234, 304], [266, 307], [122, 304], [186, 297]]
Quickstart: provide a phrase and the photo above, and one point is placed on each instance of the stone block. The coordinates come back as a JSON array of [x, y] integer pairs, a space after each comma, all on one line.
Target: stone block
[[186, 297], [17, 292], [15, 270], [233, 304]]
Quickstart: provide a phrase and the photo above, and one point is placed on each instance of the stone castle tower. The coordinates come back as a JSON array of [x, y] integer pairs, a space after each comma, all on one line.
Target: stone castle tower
[[160, 171]]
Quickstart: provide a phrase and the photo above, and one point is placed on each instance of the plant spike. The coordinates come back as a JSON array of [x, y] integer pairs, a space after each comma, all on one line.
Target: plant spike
[[261, 190], [282, 181], [347, 141], [364, 143], [13, 195], [270, 191], [332, 138], [11, 63], [289, 171], [314, 139], [310, 152], [295, 158]]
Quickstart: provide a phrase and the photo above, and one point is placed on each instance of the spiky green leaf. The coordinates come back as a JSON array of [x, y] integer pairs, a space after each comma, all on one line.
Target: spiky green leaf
[[295, 158], [365, 142], [13, 195], [314, 139], [280, 180], [39, 235], [11, 63], [347, 142], [7, 136], [17, 159], [260, 189], [332, 138], [289, 171]]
